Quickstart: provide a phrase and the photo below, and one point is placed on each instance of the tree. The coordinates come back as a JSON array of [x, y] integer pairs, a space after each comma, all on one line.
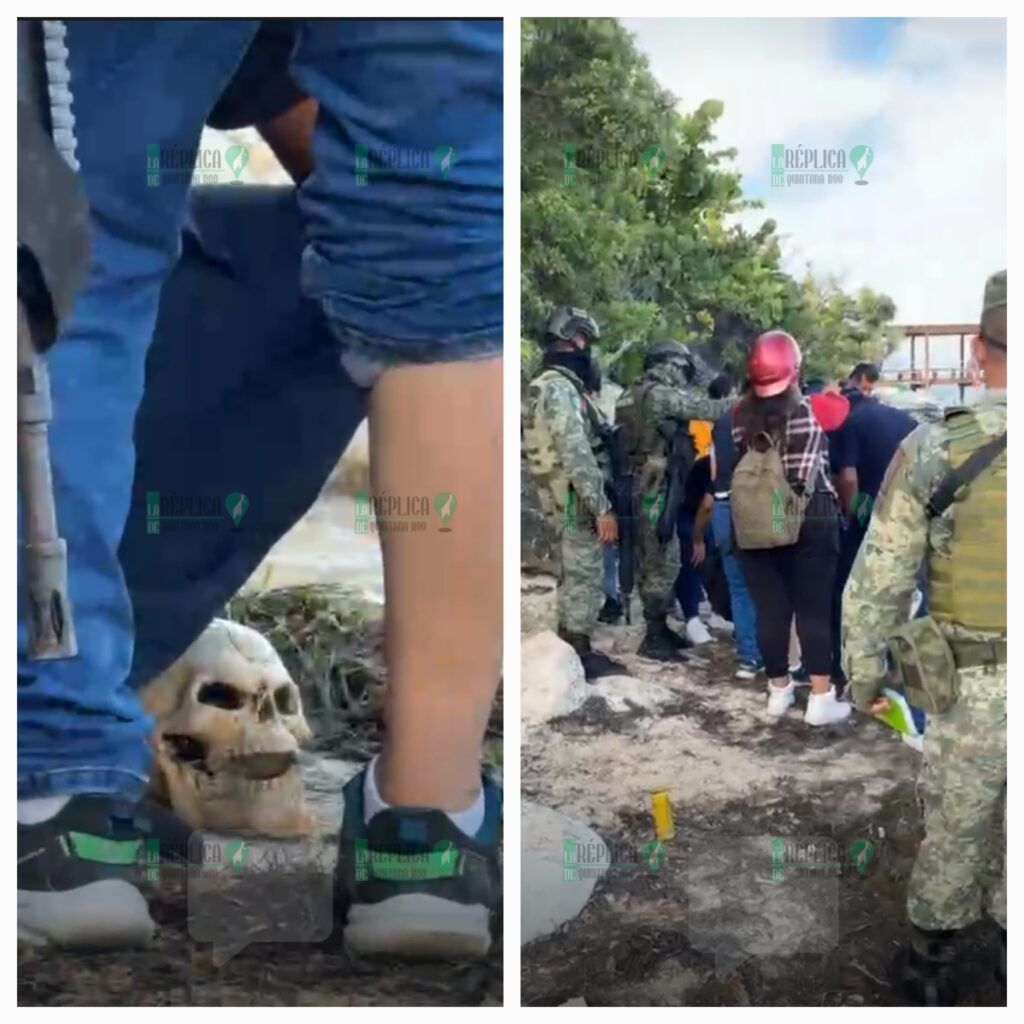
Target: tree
[[629, 210]]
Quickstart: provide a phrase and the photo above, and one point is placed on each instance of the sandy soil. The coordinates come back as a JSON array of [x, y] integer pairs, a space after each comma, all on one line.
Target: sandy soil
[[712, 925]]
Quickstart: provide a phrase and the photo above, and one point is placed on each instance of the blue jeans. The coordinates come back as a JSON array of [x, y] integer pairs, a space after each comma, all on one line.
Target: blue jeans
[[407, 270], [689, 586], [407, 262], [744, 615], [610, 580]]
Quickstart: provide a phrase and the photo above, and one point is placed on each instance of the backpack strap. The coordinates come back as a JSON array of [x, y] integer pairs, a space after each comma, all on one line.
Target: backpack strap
[[972, 467]]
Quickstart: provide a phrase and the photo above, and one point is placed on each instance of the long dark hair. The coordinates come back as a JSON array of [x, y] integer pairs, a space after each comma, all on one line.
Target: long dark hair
[[768, 415]]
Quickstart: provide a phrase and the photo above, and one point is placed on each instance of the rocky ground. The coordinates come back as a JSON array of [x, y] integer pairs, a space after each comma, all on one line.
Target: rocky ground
[[712, 924], [330, 639]]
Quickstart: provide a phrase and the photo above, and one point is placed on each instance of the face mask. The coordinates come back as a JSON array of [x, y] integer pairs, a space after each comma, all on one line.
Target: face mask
[[581, 363]]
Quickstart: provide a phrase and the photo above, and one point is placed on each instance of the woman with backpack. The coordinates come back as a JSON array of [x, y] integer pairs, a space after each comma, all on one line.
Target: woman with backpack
[[785, 524]]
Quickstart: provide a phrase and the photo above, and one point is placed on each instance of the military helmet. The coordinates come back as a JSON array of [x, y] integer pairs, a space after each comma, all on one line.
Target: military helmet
[[667, 352], [566, 321]]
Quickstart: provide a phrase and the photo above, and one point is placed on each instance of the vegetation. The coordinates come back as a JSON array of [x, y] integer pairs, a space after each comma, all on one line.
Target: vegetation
[[630, 211]]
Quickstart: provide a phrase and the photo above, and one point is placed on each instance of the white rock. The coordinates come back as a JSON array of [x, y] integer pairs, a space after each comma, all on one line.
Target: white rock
[[551, 895], [623, 693], [552, 679]]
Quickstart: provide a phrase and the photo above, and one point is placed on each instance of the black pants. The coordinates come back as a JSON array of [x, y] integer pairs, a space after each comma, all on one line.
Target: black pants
[[849, 544], [796, 580]]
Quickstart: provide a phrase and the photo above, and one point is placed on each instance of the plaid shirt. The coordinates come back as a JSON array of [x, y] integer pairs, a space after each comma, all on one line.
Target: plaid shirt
[[804, 450]]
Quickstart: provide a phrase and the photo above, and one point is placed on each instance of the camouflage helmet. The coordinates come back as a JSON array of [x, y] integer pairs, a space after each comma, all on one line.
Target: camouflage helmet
[[668, 352], [566, 321]]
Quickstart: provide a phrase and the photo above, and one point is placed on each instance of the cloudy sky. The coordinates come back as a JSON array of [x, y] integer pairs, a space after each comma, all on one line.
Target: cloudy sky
[[929, 98]]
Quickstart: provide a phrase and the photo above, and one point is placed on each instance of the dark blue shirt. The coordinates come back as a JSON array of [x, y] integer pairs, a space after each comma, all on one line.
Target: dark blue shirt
[[725, 453], [868, 440]]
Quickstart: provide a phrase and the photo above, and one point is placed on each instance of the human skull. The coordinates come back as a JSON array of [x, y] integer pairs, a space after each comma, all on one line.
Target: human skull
[[229, 723]]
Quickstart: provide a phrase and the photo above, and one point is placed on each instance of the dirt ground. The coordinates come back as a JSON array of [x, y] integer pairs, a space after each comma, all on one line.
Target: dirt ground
[[334, 652], [711, 926], [180, 972]]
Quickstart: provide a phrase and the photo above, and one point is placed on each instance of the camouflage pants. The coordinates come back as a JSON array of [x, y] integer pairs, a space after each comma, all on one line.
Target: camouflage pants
[[657, 566], [579, 585], [963, 788]]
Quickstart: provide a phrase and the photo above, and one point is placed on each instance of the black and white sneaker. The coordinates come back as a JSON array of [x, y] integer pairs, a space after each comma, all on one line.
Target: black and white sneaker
[[416, 885], [85, 875]]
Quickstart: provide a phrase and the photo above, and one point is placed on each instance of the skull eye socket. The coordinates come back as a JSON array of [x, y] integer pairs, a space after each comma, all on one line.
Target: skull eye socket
[[220, 695], [284, 700]]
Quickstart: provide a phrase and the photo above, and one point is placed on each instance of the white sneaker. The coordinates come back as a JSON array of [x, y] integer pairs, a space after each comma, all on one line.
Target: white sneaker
[[717, 622], [824, 709], [697, 631], [780, 699]]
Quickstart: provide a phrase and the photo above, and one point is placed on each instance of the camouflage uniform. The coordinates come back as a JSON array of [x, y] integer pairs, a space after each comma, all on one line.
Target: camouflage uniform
[[665, 398], [965, 747], [571, 470]]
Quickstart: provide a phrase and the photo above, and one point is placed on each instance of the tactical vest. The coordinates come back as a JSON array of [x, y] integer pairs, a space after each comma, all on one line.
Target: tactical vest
[[546, 467], [643, 440], [967, 585]]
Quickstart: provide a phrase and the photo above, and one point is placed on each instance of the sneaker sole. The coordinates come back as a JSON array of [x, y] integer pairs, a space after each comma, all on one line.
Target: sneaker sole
[[826, 721], [419, 926], [108, 914]]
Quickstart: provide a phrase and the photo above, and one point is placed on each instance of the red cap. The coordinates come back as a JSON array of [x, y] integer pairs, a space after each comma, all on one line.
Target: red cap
[[773, 364], [830, 409]]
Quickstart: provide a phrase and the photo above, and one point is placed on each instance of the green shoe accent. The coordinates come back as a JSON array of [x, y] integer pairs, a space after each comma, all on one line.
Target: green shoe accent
[[105, 851], [443, 862]]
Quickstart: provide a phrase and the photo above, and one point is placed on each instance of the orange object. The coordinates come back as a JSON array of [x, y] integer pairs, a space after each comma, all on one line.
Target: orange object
[[700, 431]]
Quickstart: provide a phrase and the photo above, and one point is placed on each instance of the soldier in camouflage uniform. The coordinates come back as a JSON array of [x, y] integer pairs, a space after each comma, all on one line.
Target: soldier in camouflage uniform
[[964, 552], [571, 469], [653, 412]]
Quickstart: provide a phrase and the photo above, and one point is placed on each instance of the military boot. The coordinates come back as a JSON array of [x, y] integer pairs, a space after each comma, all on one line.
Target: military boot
[[924, 974], [999, 968], [611, 612], [595, 664], [662, 643]]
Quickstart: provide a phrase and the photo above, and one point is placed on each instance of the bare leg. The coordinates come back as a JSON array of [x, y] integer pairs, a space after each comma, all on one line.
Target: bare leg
[[820, 684], [435, 429]]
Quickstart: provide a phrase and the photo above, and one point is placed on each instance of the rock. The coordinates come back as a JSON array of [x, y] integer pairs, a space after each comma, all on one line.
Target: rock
[[624, 693], [549, 897], [552, 679]]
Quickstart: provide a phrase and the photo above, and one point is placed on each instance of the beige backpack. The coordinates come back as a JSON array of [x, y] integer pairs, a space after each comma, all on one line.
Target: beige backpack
[[766, 511]]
